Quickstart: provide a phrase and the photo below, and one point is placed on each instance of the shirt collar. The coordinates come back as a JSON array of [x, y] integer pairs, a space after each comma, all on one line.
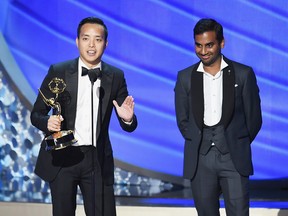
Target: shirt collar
[[222, 66], [81, 64]]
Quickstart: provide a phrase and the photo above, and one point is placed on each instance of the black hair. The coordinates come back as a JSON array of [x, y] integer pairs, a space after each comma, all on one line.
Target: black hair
[[207, 24], [92, 20]]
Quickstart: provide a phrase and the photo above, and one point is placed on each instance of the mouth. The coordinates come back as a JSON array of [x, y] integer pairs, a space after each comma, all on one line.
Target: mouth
[[205, 57], [91, 52]]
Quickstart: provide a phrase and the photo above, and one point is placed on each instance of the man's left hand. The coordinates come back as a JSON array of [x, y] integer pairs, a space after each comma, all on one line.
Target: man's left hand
[[126, 110]]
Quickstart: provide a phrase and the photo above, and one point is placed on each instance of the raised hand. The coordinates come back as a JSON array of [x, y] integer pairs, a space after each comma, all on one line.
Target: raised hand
[[126, 110]]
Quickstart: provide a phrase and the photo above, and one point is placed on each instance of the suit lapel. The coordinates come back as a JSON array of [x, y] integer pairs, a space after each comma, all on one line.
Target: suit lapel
[[228, 93], [197, 96], [71, 78], [105, 92]]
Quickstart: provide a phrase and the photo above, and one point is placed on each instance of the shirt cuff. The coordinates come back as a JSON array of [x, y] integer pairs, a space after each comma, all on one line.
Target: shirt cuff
[[128, 123]]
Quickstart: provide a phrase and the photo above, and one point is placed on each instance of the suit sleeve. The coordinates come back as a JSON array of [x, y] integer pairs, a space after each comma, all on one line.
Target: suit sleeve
[[182, 106], [121, 95], [252, 105], [39, 114]]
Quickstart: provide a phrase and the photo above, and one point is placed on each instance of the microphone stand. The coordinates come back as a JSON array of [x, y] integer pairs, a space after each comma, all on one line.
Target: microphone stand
[[93, 76]]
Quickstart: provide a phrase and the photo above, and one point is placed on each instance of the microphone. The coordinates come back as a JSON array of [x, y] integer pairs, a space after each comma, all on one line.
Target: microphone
[[94, 74]]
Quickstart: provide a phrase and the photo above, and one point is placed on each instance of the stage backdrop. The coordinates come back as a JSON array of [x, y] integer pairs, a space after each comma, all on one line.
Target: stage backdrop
[[151, 40]]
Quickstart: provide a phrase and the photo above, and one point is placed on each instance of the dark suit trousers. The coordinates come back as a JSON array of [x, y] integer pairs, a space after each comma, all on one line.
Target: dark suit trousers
[[216, 174], [77, 171]]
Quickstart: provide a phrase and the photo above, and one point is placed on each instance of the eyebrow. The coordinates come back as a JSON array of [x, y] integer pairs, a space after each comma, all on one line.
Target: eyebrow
[[87, 35], [210, 43]]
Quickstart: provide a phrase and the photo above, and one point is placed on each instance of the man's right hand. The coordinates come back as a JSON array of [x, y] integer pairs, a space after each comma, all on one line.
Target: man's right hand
[[54, 123]]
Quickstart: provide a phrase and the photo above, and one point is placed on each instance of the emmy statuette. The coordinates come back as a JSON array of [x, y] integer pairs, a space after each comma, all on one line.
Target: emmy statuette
[[60, 139]]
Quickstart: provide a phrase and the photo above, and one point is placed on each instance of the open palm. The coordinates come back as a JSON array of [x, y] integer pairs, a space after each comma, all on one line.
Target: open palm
[[126, 110]]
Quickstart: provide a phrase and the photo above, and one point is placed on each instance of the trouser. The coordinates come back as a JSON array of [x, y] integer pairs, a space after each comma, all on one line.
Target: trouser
[[78, 171], [216, 174]]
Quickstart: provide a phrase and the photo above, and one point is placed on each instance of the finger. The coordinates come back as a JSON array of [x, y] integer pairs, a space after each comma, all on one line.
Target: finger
[[55, 119], [53, 126], [115, 104], [61, 118], [129, 100], [132, 102], [54, 123]]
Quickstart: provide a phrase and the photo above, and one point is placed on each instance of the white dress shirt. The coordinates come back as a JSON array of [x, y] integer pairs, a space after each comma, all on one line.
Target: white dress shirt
[[83, 111], [213, 94]]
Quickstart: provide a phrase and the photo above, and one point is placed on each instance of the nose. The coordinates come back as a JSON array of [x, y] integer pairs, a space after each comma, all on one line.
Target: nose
[[91, 43], [203, 50]]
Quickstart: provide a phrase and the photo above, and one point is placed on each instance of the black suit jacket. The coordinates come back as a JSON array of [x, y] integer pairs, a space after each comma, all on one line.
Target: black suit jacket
[[241, 114], [113, 87]]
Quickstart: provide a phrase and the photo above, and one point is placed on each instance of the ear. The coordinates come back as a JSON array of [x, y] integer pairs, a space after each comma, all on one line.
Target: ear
[[106, 44], [222, 44], [76, 41]]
